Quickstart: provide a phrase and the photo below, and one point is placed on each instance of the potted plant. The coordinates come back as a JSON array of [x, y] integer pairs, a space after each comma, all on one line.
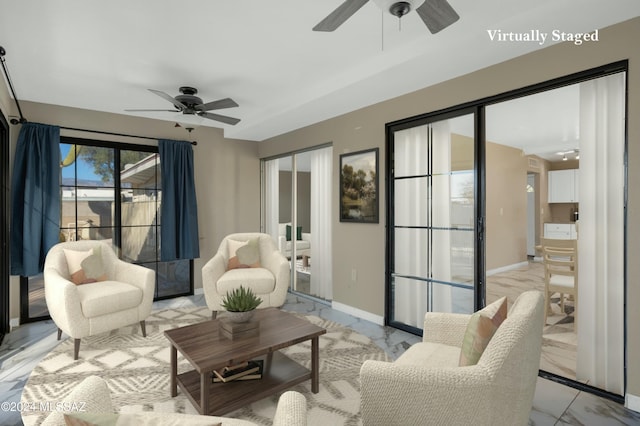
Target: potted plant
[[240, 303]]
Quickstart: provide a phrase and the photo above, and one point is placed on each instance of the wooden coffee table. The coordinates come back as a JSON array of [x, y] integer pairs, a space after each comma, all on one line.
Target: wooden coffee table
[[207, 349]]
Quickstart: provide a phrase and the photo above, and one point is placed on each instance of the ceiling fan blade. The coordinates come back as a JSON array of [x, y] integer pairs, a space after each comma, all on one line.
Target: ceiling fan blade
[[437, 14], [340, 15], [163, 95], [219, 104], [152, 110], [221, 118]]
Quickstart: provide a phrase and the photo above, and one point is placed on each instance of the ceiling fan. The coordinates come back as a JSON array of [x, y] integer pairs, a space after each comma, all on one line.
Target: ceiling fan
[[190, 104], [436, 14]]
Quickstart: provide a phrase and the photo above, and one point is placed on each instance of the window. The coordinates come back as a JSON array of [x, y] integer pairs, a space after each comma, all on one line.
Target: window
[[113, 192]]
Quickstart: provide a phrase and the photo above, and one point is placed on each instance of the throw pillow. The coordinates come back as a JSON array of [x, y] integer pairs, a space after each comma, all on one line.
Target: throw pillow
[[85, 266], [133, 419], [298, 233], [481, 328], [243, 254]]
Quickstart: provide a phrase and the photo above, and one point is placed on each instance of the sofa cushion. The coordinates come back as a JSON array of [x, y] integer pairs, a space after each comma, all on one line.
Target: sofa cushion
[[243, 254], [85, 266], [137, 419], [481, 328], [430, 354], [300, 245], [107, 297], [259, 280]]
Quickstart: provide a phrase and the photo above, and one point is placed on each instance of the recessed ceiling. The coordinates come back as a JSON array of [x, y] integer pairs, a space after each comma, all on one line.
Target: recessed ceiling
[[105, 55]]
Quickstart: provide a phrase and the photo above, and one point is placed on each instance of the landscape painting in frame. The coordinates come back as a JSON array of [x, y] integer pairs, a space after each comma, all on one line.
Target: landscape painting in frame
[[359, 186]]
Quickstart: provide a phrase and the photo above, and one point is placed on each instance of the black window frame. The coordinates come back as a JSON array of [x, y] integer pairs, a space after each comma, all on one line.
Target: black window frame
[[117, 223]]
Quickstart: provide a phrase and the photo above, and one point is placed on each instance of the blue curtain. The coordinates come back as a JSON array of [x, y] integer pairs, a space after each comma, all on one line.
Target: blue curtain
[[35, 197], [179, 209]]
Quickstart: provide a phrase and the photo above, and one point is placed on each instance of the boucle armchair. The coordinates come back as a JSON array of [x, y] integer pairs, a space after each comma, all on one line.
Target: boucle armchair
[[124, 298], [425, 386], [94, 396], [268, 279]]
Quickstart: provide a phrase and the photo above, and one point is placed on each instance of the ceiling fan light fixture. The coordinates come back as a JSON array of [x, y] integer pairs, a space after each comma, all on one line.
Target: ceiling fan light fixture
[[399, 8]]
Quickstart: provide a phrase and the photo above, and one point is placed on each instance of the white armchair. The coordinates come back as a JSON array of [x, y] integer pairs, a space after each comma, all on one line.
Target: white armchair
[[85, 310], [93, 393], [269, 282], [426, 386]]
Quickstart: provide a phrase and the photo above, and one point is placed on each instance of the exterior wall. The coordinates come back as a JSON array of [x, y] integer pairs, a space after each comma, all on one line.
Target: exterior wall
[[362, 247]]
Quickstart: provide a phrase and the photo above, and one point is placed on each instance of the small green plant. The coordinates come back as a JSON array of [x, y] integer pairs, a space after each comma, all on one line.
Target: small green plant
[[240, 300]]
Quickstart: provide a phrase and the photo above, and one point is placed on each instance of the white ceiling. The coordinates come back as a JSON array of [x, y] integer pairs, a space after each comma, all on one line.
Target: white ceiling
[[103, 55]]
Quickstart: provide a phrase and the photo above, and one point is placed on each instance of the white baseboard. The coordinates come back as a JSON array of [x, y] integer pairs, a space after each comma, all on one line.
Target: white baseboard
[[507, 268], [198, 291], [13, 323], [359, 313], [632, 402]]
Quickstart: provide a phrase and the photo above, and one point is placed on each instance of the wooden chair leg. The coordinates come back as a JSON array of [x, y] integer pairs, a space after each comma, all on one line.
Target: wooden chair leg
[[76, 349], [143, 327], [214, 314], [59, 334]]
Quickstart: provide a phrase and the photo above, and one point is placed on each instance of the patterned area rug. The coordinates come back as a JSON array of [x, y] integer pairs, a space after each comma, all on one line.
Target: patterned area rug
[[137, 371]]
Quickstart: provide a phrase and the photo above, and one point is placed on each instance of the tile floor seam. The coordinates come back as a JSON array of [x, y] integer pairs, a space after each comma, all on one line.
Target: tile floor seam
[[567, 409]]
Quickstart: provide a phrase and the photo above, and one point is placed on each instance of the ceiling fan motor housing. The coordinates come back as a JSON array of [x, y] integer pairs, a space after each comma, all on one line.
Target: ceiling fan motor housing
[[189, 99]]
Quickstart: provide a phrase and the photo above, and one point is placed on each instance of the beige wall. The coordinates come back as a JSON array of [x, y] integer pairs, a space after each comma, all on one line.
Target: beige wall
[[361, 247], [227, 172], [506, 208]]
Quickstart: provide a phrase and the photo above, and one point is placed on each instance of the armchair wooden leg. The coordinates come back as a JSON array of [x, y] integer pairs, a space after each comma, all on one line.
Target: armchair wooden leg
[[214, 314], [76, 349], [59, 334], [143, 327]]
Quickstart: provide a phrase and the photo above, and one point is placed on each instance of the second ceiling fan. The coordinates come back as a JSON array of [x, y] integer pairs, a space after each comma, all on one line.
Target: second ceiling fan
[[436, 14], [190, 104]]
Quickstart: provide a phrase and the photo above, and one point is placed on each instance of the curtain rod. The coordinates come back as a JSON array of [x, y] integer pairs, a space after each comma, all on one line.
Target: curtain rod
[[13, 92], [115, 134]]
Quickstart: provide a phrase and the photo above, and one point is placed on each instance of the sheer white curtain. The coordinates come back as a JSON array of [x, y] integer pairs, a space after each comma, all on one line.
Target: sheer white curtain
[[411, 154], [411, 208], [441, 210], [600, 351], [321, 209], [271, 199]]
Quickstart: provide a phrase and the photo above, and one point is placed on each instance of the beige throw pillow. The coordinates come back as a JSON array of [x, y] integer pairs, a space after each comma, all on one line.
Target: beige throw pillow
[[243, 254], [481, 328], [85, 266]]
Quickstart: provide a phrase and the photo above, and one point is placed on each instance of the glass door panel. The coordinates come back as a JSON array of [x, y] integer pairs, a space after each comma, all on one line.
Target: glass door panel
[[301, 239], [433, 220]]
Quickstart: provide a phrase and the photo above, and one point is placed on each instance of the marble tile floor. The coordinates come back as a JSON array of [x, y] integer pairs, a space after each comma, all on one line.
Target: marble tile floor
[[559, 344], [554, 404]]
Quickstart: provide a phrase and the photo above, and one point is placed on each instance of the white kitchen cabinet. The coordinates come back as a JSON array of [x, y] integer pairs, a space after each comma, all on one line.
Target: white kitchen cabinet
[[563, 186], [560, 231]]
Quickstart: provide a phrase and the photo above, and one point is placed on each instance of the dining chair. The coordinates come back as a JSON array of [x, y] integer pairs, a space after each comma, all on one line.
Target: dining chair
[[560, 258]]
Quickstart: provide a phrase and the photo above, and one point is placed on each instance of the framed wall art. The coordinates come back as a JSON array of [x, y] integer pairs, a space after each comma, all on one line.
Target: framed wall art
[[359, 186]]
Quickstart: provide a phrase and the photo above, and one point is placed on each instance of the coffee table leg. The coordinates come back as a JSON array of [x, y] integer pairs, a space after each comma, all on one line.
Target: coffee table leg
[[315, 365], [205, 381], [173, 387]]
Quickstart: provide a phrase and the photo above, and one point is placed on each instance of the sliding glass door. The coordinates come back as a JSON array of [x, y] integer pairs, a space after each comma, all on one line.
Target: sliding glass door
[[432, 219], [296, 212], [112, 192], [470, 198]]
